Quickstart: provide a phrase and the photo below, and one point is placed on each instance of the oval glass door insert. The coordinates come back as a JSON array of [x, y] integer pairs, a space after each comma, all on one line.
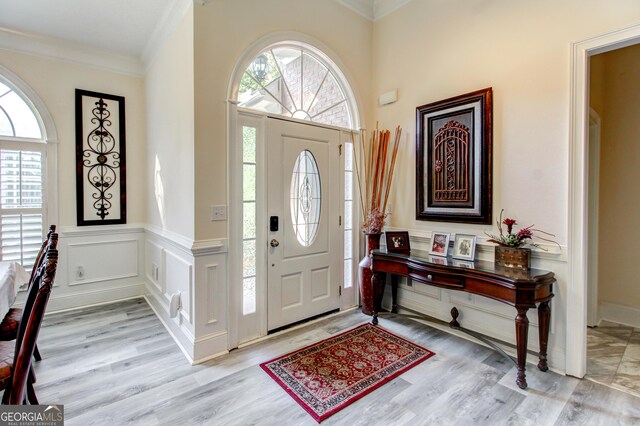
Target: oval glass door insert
[[305, 198]]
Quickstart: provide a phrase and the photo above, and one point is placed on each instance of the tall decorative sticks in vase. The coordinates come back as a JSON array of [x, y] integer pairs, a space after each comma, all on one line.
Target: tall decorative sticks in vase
[[374, 177]]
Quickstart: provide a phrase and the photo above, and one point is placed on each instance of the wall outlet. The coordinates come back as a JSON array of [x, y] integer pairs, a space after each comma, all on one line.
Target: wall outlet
[[80, 274], [218, 213]]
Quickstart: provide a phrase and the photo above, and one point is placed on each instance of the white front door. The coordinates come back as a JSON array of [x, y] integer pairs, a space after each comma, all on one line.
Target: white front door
[[303, 240]]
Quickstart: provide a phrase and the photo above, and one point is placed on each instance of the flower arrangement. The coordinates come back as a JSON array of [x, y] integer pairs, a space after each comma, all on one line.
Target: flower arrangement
[[519, 239], [375, 177]]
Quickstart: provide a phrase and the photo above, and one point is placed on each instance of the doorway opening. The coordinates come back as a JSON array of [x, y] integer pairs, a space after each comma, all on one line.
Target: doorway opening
[[613, 313], [291, 233], [582, 207]]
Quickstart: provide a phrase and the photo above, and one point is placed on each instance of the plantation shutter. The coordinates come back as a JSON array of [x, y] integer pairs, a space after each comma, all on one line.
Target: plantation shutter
[[21, 204]]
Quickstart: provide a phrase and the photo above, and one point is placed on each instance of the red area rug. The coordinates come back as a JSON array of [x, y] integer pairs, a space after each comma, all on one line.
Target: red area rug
[[329, 375]]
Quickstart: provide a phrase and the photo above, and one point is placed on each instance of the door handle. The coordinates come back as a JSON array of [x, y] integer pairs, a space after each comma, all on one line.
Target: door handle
[[274, 243]]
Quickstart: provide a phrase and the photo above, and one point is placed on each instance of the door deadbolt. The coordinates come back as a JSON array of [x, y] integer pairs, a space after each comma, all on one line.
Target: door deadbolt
[[274, 243]]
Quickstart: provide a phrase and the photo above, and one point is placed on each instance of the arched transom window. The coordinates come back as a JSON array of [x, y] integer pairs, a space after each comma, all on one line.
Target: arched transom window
[[297, 82]]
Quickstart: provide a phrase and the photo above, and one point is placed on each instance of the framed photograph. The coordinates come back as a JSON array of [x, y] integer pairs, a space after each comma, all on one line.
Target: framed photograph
[[397, 241], [454, 159], [101, 193], [464, 247], [439, 244]]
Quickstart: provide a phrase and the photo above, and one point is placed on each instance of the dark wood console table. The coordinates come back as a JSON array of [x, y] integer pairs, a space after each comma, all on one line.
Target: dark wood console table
[[518, 288]]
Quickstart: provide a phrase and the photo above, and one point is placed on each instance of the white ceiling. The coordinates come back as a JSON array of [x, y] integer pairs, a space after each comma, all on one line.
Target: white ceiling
[[123, 26], [100, 29]]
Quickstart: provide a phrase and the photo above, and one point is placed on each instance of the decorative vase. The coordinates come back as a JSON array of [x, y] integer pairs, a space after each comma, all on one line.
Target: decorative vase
[[511, 257], [366, 274]]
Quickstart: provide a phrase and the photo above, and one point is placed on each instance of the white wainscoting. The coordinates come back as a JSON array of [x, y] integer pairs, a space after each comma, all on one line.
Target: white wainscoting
[[489, 317], [110, 261], [197, 271], [126, 261]]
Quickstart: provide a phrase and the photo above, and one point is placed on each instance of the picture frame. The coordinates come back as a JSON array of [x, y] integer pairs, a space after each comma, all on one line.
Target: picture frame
[[397, 241], [439, 244], [464, 247], [101, 194], [454, 159]]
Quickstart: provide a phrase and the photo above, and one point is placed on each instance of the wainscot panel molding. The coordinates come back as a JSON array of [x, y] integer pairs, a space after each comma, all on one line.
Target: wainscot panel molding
[[206, 247], [98, 264], [197, 271], [211, 306], [154, 264], [173, 239], [86, 261]]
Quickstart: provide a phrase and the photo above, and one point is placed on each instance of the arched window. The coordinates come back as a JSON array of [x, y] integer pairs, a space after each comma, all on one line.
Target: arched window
[[22, 172], [295, 80]]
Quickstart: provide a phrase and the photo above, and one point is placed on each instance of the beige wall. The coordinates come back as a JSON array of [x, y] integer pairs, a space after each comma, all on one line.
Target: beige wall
[[615, 80], [55, 82], [432, 50], [170, 128], [223, 31]]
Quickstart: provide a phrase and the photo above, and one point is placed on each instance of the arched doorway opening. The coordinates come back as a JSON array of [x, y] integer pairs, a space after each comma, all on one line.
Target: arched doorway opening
[[290, 82]]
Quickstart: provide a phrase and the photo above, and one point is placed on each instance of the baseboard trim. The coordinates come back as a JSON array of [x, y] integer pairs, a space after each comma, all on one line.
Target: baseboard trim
[[619, 314], [63, 302], [211, 346], [96, 304], [183, 340]]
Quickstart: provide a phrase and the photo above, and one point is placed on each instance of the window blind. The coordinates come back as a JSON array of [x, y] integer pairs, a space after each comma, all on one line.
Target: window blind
[[21, 205]]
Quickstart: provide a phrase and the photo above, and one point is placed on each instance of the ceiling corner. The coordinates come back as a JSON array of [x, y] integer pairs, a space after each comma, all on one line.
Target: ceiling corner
[[382, 8], [362, 7], [167, 24]]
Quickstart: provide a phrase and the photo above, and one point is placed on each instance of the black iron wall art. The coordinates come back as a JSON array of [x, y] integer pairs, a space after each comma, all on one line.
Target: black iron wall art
[[454, 159], [100, 159]]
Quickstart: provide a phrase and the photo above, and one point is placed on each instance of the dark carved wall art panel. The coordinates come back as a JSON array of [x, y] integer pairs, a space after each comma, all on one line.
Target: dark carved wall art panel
[[454, 159], [100, 159]]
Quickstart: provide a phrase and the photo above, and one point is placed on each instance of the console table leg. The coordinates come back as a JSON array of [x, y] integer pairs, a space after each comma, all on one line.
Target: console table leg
[[522, 331], [394, 293], [544, 317], [377, 283]]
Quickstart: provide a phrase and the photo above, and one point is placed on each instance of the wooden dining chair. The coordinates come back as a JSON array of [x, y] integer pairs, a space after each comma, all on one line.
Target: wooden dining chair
[[11, 321], [16, 375]]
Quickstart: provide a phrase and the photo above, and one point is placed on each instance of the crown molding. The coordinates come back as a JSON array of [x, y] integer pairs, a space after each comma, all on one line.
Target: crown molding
[[170, 20], [382, 8], [361, 7], [69, 52], [373, 9]]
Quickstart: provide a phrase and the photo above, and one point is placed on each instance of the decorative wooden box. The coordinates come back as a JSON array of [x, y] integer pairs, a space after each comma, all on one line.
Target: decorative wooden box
[[511, 257]]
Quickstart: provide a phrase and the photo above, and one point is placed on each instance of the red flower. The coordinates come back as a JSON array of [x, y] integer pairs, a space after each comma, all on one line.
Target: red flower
[[509, 222], [524, 233]]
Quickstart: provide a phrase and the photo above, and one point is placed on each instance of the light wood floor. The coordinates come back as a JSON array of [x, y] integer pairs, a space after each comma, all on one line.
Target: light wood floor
[[116, 365]]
